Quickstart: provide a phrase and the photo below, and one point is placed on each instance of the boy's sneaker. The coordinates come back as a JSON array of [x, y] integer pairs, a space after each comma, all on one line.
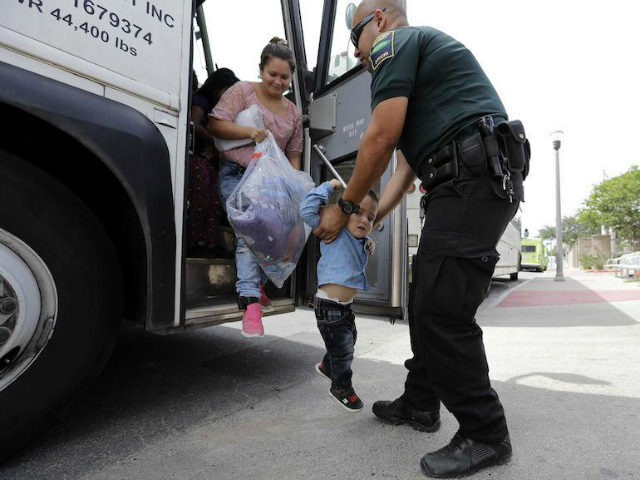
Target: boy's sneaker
[[322, 371], [347, 398], [252, 321]]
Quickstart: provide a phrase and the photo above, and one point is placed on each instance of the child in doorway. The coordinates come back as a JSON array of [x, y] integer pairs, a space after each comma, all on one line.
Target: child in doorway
[[341, 274]]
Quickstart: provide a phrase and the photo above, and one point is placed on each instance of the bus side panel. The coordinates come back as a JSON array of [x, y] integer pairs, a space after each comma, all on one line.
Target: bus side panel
[[137, 39], [132, 148]]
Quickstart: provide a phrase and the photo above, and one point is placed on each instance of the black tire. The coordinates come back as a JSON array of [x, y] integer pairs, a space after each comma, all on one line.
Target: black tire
[[60, 228], [514, 276]]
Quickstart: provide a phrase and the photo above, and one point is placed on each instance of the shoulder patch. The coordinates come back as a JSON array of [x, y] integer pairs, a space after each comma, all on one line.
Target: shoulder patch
[[383, 48]]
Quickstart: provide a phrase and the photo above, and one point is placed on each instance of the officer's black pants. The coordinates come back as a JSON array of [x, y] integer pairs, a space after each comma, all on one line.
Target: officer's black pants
[[449, 362]]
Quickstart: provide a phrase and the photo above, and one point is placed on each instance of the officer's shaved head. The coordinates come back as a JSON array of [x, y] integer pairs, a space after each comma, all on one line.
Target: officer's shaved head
[[395, 11]]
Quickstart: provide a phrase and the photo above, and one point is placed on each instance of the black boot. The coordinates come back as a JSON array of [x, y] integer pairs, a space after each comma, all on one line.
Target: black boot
[[464, 456], [399, 412]]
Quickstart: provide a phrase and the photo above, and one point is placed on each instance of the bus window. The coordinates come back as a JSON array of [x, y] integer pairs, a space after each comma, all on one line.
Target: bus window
[[341, 59], [528, 248], [238, 32], [199, 61], [310, 12]]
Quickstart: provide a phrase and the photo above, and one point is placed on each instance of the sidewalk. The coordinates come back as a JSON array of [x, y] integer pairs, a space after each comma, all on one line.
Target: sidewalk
[[565, 360]]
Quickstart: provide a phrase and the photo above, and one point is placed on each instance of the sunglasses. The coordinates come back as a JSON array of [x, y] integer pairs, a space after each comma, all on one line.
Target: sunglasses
[[356, 31]]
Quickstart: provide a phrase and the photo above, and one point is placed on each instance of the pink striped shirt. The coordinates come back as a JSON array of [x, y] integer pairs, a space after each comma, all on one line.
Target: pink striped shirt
[[286, 129]]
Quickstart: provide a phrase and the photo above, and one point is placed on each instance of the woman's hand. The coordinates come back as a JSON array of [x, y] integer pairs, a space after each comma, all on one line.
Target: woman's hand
[[259, 134]]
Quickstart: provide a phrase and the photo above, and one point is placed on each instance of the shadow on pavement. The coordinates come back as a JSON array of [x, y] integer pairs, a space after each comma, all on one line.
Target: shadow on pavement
[[184, 389]]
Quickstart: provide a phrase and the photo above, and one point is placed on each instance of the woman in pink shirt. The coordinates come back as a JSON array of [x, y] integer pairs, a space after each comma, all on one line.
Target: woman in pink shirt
[[283, 119]]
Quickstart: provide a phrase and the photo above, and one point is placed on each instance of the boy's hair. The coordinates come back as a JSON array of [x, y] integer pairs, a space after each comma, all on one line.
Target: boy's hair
[[372, 195]]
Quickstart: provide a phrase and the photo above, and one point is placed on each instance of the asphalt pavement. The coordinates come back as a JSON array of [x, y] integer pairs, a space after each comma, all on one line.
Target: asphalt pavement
[[564, 359]]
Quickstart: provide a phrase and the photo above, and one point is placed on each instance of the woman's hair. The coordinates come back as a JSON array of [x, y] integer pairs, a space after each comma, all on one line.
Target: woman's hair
[[277, 48], [217, 81]]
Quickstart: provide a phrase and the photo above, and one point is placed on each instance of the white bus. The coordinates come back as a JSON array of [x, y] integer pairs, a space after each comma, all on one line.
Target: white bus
[[94, 155]]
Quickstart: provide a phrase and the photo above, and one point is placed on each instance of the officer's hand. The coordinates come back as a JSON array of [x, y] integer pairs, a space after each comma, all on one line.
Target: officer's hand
[[259, 134], [332, 220]]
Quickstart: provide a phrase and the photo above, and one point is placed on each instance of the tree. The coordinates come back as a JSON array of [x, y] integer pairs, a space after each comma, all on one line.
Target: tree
[[616, 203], [547, 232], [572, 229]]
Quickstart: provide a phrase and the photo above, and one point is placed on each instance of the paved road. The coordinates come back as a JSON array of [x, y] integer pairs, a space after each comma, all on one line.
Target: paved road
[[212, 405]]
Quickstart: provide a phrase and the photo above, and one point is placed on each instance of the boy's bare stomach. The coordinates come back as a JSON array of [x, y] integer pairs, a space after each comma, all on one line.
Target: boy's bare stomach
[[342, 293]]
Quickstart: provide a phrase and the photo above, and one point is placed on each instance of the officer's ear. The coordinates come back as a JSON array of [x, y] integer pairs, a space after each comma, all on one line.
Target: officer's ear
[[381, 19]]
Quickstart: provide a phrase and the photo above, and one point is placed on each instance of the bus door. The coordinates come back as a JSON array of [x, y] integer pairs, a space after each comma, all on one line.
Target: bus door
[[220, 41], [339, 113]]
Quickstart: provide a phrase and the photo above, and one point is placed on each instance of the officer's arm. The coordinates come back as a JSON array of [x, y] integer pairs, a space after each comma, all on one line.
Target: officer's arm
[[396, 187], [376, 147]]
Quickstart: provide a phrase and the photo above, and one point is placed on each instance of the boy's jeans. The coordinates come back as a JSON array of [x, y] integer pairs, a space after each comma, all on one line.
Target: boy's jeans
[[247, 267], [337, 326]]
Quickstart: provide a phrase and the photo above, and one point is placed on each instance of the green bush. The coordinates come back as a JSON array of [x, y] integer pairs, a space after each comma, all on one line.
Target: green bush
[[592, 262]]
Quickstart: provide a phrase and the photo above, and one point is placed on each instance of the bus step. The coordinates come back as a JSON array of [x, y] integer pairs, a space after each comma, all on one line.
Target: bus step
[[206, 277]]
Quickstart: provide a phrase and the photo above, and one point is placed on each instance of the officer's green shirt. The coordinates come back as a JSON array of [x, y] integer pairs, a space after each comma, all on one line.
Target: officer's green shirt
[[446, 87]]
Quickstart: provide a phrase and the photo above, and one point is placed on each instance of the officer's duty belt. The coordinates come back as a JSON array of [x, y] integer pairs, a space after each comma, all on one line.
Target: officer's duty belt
[[503, 151], [440, 166]]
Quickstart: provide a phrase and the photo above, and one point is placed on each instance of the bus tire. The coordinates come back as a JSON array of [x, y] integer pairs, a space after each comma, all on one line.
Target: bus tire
[[50, 237], [514, 276]]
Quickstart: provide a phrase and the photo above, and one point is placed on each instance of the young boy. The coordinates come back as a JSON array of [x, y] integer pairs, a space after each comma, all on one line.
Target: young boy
[[341, 274]]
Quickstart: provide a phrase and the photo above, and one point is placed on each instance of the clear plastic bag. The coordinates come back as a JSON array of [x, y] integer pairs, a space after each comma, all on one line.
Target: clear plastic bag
[[263, 209], [250, 117]]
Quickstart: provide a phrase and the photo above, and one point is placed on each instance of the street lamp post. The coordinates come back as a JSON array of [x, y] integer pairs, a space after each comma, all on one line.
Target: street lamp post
[[556, 137]]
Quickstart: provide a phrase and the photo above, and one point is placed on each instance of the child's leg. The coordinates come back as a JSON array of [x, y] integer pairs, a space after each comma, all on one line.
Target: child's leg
[[337, 326]]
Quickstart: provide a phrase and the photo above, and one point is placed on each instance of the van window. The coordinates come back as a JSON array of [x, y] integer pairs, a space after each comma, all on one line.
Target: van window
[[529, 248]]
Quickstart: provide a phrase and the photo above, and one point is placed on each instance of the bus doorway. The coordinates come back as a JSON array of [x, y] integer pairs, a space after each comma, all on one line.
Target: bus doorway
[[209, 263]]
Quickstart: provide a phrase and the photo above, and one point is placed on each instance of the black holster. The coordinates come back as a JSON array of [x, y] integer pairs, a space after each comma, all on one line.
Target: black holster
[[514, 146]]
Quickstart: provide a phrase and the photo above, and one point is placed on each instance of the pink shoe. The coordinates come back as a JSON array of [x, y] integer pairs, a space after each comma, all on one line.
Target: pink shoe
[[252, 321], [264, 300]]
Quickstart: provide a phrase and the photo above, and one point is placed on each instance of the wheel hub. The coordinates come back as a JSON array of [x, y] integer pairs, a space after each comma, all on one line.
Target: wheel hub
[[28, 307]]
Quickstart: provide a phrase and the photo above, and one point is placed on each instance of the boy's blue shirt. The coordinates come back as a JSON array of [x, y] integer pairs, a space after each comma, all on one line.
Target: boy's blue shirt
[[344, 260]]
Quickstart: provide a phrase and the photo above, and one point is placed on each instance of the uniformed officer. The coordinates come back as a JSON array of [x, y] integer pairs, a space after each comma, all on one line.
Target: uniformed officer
[[431, 100]]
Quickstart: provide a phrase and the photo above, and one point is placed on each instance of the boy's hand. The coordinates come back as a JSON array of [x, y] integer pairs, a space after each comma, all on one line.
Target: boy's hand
[[370, 246], [335, 183]]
